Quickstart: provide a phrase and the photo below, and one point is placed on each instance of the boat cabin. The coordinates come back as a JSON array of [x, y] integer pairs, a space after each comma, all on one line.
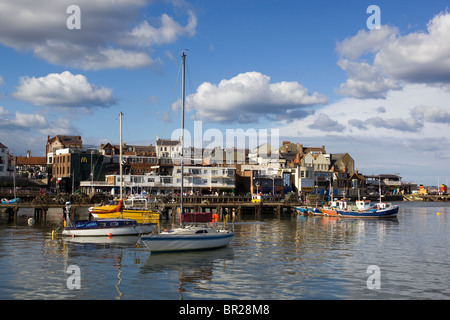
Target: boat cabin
[[363, 204]]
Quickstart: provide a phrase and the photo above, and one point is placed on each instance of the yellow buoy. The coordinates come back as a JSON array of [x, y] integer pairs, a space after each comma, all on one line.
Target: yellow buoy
[[438, 213]]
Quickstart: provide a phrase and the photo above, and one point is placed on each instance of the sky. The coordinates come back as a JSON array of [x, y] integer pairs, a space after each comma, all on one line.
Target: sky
[[373, 83]]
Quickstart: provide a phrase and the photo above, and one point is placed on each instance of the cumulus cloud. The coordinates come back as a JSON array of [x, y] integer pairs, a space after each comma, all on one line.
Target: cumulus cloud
[[417, 111], [325, 123], [250, 96], [422, 57], [3, 111], [22, 131], [417, 57], [63, 90], [108, 37], [431, 114], [364, 81], [32, 123], [365, 41], [169, 31], [400, 124]]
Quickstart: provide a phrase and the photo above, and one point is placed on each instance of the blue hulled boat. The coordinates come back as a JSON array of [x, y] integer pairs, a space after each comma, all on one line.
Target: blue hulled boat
[[11, 201], [364, 209]]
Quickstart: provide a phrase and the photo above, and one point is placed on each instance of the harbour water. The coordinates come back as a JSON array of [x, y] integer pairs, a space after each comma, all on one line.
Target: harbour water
[[272, 258]]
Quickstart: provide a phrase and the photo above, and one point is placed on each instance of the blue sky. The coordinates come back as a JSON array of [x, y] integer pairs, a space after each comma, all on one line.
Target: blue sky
[[312, 69]]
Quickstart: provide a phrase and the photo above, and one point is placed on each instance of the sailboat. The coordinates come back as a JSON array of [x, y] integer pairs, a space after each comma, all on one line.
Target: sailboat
[[197, 230], [109, 226]]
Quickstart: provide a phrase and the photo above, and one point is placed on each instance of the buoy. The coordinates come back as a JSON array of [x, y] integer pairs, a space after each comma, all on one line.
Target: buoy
[[53, 234], [110, 234], [73, 236], [31, 221], [438, 213]]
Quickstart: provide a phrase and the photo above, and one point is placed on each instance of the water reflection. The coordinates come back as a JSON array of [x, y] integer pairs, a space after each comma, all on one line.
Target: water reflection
[[286, 257], [195, 270]]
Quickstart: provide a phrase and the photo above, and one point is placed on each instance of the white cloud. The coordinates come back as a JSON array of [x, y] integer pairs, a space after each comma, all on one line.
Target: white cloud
[[63, 90], [417, 57], [2, 82], [106, 39], [325, 123], [168, 32], [364, 81], [406, 132], [22, 131], [398, 124], [250, 96], [432, 114], [422, 57], [418, 110], [3, 112], [365, 41]]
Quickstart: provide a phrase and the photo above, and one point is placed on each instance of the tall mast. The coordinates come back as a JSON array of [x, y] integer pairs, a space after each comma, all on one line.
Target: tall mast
[[182, 133], [120, 155]]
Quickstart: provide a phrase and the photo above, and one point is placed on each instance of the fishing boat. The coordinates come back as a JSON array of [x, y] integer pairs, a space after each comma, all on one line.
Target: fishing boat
[[309, 210], [335, 205], [197, 230], [364, 209], [135, 207]]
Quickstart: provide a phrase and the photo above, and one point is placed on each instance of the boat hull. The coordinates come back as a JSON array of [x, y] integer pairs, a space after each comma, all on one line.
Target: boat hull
[[12, 201], [329, 212], [141, 216], [166, 242], [309, 210], [113, 227], [382, 213]]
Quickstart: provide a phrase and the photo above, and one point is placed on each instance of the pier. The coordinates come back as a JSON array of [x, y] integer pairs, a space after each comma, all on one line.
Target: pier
[[40, 211], [224, 205], [426, 197], [169, 207]]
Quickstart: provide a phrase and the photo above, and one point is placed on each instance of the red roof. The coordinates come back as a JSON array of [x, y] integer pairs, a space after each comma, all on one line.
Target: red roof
[[31, 161]]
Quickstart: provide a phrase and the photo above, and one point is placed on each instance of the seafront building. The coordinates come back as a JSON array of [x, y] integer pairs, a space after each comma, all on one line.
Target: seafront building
[[69, 166], [3, 160]]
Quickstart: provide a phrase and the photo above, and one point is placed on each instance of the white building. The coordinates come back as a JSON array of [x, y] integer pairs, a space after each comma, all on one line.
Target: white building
[[196, 180], [3, 160]]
